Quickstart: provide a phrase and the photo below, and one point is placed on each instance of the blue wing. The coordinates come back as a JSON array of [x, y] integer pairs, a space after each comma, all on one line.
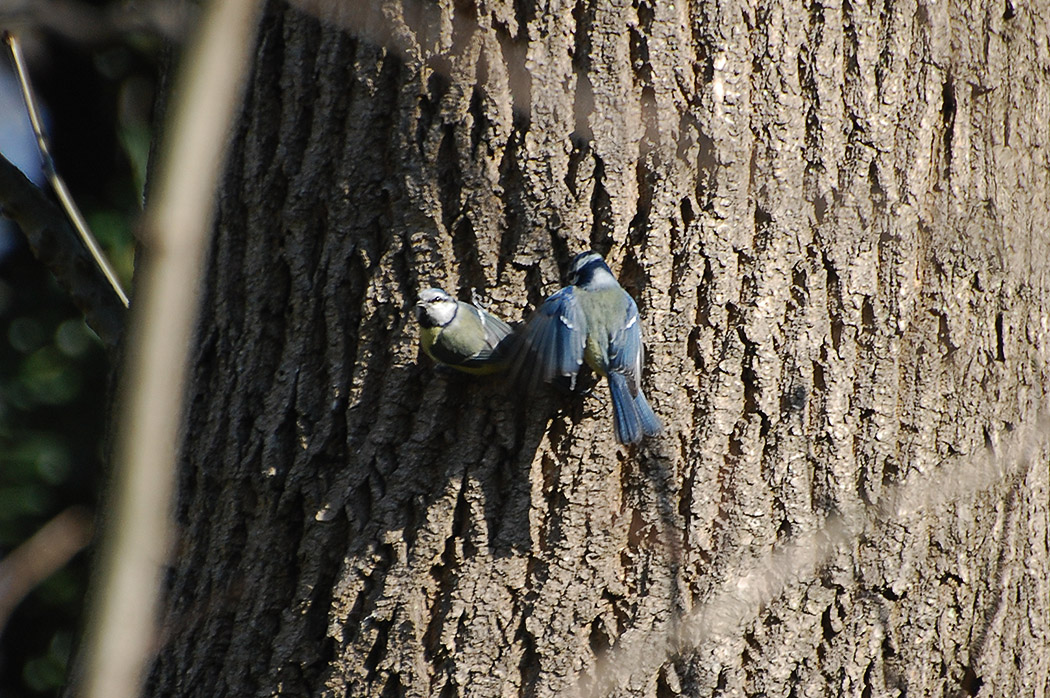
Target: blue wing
[[632, 413], [625, 347], [554, 338]]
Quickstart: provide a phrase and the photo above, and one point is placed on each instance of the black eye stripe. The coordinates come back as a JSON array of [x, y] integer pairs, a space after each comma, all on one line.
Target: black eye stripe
[[587, 270]]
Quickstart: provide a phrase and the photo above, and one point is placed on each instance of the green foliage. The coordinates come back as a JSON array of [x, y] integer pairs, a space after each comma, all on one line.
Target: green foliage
[[44, 672], [53, 378]]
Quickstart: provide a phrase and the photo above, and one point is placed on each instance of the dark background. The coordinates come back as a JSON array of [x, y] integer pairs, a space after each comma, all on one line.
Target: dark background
[[98, 90]]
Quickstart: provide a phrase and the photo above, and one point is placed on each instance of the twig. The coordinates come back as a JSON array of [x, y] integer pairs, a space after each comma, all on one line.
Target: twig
[[46, 552], [57, 183]]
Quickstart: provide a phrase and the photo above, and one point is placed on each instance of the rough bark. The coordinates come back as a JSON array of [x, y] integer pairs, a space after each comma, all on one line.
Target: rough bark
[[833, 217]]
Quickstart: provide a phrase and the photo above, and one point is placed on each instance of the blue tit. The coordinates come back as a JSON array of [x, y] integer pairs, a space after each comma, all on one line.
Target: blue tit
[[460, 335], [593, 320]]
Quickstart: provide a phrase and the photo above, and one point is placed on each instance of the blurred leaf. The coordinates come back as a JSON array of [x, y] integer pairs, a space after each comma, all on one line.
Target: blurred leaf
[[113, 230], [44, 673], [73, 337], [60, 588], [53, 462], [40, 454], [135, 139], [23, 500], [47, 672], [49, 377], [61, 647], [17, 396], [25, 334]]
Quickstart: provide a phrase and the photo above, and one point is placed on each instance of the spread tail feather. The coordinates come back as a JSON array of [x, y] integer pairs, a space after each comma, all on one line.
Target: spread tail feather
[[632, 415], [650, 422], [626, 419]]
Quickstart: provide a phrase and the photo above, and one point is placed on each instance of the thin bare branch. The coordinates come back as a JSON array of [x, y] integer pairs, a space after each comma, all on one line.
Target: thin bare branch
[[46, 552], [56, 181]]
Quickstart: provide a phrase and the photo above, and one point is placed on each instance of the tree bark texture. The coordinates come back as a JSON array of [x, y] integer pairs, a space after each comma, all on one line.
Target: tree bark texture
[[834, 217]]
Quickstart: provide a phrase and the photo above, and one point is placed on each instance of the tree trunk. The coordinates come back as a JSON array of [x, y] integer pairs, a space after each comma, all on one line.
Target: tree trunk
[[834, 219]]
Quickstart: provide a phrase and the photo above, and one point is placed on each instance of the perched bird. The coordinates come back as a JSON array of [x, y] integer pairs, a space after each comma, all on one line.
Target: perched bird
[[592, 319], [460, 335]]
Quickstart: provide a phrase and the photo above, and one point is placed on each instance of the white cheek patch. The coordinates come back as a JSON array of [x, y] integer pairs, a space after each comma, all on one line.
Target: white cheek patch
[[443, 313]]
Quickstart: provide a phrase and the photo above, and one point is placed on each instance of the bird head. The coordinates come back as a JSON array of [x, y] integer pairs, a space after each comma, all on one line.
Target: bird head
[[435, 308], [589, 270]]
